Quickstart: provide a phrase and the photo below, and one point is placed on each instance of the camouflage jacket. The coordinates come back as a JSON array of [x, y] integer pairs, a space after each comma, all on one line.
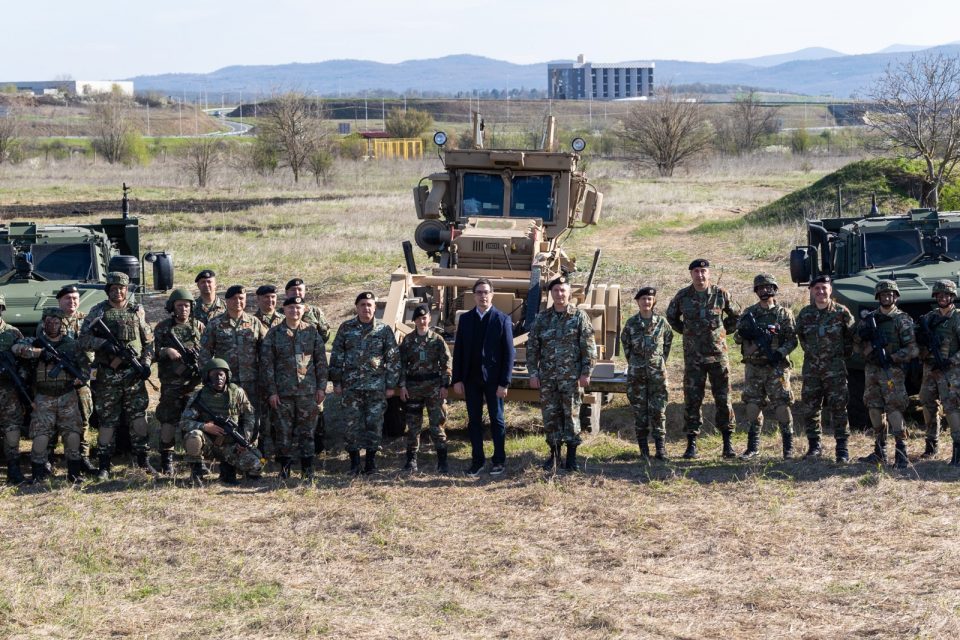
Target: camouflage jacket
[[9, 336], [365, 357], [48, 378], [207, 312], [947, 329], [646, 343], [699, 316], [560, 345], [189, 334], [128, 324], [779, 324], [230, 403], [826, 335], [313, 315], [424, 361], [293, 362], [236, 341], [69, 326], [897, 331], [270, 321]]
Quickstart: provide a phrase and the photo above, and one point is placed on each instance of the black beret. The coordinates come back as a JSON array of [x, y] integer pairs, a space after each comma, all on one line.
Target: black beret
[[264, 289], [699, 263], [645, 291], [293, 300], [234, 290], [366, 295], [824, 279], [67, 289], [421, 310], [556, 281], [206, 273], [296, 282]]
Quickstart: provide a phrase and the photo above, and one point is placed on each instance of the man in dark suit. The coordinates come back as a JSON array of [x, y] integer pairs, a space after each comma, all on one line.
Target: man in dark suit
[[482, 369]]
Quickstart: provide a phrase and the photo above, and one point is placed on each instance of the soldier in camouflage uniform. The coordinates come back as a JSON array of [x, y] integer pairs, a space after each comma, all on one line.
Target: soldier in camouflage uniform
[[825, 331], [235, 336], [11, 409], [365, 369], [202, 438], [424, 378], [119, 390], [561, 353], [208, 305], [884, 385], [767, 335], [56, 407], [267, 312], [293, 361], [646, 340], [312, 315], [941, 375], [704, 313], [178, 379], [270, 317]]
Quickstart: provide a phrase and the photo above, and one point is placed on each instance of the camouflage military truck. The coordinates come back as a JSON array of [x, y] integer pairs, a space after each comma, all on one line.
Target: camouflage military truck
[[37, 260], [915, 249], [503, 215]]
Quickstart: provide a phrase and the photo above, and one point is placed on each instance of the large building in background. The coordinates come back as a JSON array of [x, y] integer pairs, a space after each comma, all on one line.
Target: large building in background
[[72, 87], [599, 81]]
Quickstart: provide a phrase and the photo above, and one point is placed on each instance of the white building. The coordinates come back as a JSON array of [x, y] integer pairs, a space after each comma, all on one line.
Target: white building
[[599, 81], [73, 87]]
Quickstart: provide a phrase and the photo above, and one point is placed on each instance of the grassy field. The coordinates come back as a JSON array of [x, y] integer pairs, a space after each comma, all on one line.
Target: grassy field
[[683, 549]]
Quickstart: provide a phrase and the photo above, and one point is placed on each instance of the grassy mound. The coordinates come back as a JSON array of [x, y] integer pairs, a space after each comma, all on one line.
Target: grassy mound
[[896, 182]]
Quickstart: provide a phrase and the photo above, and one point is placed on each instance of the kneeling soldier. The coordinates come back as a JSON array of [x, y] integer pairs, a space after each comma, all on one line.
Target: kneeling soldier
[[939, 337], [218, 399], [424, 378]]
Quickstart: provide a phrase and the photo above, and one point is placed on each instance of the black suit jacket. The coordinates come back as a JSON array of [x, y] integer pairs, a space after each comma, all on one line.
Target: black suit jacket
[[497, 352]]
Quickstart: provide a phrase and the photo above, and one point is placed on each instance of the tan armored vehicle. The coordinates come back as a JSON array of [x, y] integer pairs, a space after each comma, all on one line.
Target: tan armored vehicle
[[503, 215]]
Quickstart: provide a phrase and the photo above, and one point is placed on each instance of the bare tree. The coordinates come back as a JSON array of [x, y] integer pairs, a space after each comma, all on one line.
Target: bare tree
[[745, 122], [201, 155], [917, 110], [9, 132], [112, 127], [667, 131], [295, 128]]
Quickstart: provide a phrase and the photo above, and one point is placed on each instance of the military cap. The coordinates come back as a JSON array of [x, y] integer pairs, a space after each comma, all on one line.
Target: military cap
[[54, 312], [884, 286], [206, 273], [944, 286], [421, 310], [556, 281], [824, 279], [234, 290], [67, 289], [699, 263], [116, 278], [366, 295], [293, 300], [296, 282], [645, 291], [765, 279], [264, 289]]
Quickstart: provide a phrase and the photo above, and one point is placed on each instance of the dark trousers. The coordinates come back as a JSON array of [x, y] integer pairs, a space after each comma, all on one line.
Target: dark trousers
[[476, 395]]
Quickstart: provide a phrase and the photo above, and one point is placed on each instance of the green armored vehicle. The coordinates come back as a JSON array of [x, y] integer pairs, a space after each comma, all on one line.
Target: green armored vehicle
[[37, 260], [914, 249]]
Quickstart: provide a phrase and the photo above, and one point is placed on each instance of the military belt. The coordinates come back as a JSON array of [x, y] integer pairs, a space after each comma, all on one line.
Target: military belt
[[424, 378]]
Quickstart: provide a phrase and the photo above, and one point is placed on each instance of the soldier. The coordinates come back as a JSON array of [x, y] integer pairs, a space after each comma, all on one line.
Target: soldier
[[938, 336], [825, 331], [268, 315], [424, 378], [697, 312], [364, 369], [203, 438], [767, 335], [11, 402], [561, 353], [235, 336], [179, 372], [646, 340], [312, 315], [293, 362], [267, 312], [120, 385], [208, 305], [886, 340], [56, 407]]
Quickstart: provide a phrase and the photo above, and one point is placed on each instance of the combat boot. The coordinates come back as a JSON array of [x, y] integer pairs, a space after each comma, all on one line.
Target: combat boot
[[727, 444], [900, 455], [955, 460], [197, 473], [786, 437], [442, 467], [370, 463], [411, 465], [572, 465], [814, 448], [39, 471], [306, 467], [354, 463], [74, 471], [284, 462], [166, 463], [691, 451], [930, 450], [753, 446], [228, 474], [843, 455], [550, 464], [660, 451], [103, 473], [879, 455], [644, 449], [87, 467], [14, 475], [142, 461]]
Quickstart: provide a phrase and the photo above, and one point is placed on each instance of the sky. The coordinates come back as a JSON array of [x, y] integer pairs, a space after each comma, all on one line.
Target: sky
[[114, 39]]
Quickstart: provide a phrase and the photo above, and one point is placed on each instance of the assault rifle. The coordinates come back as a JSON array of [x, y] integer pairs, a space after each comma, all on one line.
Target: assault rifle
[[230, 428], [8, 366], [761, 337], [189, 356], [932, 342], [63, 362], [121, 350], [871, 332]]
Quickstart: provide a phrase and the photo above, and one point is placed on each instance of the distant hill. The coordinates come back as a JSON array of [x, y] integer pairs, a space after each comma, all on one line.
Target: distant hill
[[810, 53]]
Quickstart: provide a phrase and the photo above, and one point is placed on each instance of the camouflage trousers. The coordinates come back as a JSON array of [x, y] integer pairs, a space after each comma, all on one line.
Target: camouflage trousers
[[363, 418], [827, 387], [200, 446], [938, 387], [647, 393], [560, 405], [55, 416], [295, 424], [121, 394], [11, 420], [251, 388], [884, 389], [694, 388], [268, 421], [173, 400], [765, 385], [417, 401]]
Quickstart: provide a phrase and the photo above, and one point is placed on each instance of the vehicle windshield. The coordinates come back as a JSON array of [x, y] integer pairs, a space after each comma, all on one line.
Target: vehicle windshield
[[890, 249], [482, 194], [6, 257], [532, 197], [953, 241], [63, 261]]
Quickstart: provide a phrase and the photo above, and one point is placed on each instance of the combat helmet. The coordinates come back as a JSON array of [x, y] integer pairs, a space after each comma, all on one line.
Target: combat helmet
[[886, 285], [765, 279], [944, 286], [178, 294], [116, 277], [216, 363]]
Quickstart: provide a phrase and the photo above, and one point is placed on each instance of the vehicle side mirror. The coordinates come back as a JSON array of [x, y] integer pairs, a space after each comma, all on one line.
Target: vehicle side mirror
[[162, 269], [800, 265], [592, 204]]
